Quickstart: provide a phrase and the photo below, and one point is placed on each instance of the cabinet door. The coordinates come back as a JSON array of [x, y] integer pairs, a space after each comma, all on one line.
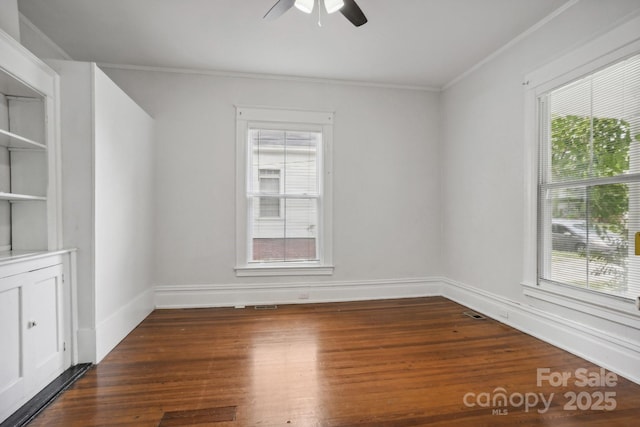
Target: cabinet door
[[44, 326], [12, 380]]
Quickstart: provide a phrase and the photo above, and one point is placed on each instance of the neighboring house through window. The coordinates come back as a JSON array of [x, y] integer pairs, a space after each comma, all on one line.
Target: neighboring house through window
[[270, 189]]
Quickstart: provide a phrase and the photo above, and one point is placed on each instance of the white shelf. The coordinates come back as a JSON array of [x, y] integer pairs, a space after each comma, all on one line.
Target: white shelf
[[11, 86], [12, 197], [9, 256], [11, 140]]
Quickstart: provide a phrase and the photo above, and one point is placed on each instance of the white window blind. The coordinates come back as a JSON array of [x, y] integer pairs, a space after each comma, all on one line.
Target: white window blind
[[589, 191]]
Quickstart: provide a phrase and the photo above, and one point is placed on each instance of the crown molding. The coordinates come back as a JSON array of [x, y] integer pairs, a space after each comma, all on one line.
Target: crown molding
[[544, 21], [264, 76]]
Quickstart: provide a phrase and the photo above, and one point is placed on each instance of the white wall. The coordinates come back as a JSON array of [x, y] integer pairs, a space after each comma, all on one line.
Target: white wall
[[9, 18], [386, 190], [484, 176], [37, 42], [124, 212]]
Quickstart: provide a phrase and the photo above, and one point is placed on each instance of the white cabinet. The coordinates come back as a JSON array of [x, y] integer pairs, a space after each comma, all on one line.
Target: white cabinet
[[35, 329], [12, 384]]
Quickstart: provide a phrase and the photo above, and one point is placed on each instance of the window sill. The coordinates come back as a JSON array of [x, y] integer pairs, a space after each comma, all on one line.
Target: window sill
[[610, 307], [284, 270]]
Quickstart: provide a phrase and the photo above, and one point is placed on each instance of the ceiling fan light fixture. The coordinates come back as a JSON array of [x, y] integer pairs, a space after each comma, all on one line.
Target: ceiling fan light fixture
[[348, 8], [305, 5], [333, 5]]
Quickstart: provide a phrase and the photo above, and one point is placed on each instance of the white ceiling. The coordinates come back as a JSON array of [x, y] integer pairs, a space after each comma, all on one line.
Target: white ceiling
[[421, 43]]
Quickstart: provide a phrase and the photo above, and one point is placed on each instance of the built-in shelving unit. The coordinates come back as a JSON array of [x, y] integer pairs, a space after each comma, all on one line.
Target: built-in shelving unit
[[25, 214]]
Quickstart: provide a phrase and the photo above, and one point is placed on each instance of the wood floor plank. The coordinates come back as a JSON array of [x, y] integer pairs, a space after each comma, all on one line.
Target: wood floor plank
[[393, 363]]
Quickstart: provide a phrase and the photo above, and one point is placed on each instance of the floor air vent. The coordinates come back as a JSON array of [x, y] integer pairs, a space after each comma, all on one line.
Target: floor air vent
[[198, 417], [266, 307], [474, 315], [46, 396]]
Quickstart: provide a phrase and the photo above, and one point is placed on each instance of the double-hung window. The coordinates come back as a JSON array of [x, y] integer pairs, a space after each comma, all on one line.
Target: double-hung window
[[283, 188], [589, 181]]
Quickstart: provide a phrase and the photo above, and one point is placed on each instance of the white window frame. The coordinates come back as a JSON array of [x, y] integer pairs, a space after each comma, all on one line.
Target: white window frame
[[272, 118], [618, 44]]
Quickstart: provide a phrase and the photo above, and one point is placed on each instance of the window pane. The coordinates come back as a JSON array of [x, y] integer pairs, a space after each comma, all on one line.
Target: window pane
[[570, 111], [269, 184], [301, 228], [269, 207], [302, 169], [267, 155], [293, 154], [590, 245], [593, 122], [291, 238], [267, 235]]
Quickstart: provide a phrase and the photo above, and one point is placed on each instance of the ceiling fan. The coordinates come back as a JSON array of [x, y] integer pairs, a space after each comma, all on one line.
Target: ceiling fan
[[348, 8]]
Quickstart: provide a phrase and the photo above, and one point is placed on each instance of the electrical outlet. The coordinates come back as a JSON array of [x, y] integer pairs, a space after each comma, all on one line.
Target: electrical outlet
[[504, 313], [303, 296]]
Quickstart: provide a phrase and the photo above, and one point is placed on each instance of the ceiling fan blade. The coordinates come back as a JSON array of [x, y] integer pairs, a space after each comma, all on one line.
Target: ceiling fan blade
[[353, 13], [279, 9]]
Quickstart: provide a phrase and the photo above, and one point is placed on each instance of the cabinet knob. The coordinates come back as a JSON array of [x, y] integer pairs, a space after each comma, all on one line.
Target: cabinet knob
[[32, 324]]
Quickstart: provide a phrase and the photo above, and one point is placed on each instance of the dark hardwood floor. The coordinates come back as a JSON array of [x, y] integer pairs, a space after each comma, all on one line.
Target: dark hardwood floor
[[380, 363]]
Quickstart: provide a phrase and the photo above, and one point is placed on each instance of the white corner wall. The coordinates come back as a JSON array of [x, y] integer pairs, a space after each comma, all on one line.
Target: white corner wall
[[483, 154], [108, 204], [386, 189], [124, 212], [76, 118]]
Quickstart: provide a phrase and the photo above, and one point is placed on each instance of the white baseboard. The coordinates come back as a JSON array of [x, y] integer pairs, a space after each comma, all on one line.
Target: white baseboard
[[234, 295], [616, 354], [113, 329]]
